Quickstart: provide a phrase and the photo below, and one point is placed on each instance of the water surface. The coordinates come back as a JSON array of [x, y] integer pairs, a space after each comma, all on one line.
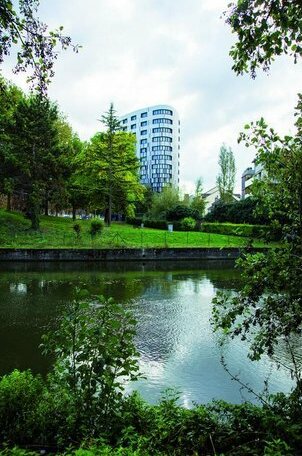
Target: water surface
[[172, 303]]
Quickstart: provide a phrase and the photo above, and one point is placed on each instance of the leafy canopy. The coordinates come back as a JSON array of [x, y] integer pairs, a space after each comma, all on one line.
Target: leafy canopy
[[264, 29], [37, 45]]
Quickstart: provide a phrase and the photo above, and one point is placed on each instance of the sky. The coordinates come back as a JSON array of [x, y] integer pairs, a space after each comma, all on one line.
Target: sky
[[139, 53]]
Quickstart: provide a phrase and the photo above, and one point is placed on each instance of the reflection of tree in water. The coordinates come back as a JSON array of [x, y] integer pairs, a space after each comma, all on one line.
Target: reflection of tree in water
[[31, 300], [160, 309], [288, 353]]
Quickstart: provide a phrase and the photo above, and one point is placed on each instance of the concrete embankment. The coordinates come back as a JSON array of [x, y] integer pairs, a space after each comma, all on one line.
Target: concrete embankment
[[120, 254]]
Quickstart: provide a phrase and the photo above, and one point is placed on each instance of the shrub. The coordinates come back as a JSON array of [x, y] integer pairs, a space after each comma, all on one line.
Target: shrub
[[242, 211], [77, 229], [254, 231], [20, 394], [180, 212], [188, 224], [95, 353], [96, 226]]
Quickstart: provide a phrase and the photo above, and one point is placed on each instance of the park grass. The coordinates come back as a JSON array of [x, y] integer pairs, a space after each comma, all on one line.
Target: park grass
[[58, 232]]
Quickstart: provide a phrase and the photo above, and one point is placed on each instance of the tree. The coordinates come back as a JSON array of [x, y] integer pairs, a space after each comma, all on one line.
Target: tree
[[264, 29], [198, 202], [10, 96], [35, 146], [226, 177], [109, 167], [164, 201], [37, 45], [268, 309]]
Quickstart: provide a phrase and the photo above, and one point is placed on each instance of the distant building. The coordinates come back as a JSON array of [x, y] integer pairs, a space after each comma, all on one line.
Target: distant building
[[157, 130], [248, 177], [212, 196]]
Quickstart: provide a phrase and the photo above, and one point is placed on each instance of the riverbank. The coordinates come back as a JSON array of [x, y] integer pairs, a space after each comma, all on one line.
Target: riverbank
[[59, 233], [160, 254]]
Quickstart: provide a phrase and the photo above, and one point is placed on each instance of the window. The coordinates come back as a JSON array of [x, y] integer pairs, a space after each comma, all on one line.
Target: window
[[162, 139], [162, 120], [144, 123], [124, 128], [133, 117], [144, 114], [143, 141], [143, 132], [162, 130], [162, 148], [162, 111], [124, 121], [143, 150], [133, 126]]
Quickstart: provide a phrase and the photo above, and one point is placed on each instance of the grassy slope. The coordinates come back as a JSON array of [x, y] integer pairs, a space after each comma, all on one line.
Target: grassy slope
[[57, 232]]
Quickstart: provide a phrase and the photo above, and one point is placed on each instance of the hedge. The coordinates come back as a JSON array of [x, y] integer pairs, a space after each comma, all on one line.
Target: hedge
[[254, 231]]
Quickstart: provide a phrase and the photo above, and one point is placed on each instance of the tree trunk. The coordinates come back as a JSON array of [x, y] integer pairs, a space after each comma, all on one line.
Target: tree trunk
[[9, 202], [109, 209], [46, 207], [73, 212]]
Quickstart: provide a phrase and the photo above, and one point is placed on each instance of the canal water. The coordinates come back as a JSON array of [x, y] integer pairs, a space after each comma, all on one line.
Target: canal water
[[172, 303]]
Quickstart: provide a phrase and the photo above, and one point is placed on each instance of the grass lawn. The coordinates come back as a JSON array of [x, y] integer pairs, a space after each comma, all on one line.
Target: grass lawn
[[57, 232]]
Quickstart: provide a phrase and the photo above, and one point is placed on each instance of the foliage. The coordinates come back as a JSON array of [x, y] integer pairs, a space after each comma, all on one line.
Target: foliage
[[280, 190], [162, 202], [77, 229], [20, 393], [226, 177], [95, 355], [96, 227], [264, 29], [198, 202], [268, 309], [142, 429], [188, 224], [179, 212], [37, 45], [108, 167], [251, 231], [248, 210]]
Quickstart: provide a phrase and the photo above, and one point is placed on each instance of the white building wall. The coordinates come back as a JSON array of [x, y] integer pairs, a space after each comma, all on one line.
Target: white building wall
[[157, 130]]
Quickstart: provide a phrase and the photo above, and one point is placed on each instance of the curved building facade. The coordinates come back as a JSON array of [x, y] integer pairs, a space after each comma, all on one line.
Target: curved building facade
[[157, 130]]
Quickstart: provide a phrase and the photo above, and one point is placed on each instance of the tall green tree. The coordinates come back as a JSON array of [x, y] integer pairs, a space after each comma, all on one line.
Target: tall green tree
[[226, 176], [109, 167], [36, 150], [198, 202], [10, 96]]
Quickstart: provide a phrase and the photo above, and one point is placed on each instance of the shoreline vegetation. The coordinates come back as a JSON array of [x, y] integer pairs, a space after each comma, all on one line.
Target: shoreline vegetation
[[59, 232]]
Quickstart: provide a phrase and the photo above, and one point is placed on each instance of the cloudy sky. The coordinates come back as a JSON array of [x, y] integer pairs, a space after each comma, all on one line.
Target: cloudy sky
[[138, 53]]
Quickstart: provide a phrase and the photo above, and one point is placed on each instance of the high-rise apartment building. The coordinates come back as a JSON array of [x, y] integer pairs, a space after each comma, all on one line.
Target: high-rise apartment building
[[157, 131]]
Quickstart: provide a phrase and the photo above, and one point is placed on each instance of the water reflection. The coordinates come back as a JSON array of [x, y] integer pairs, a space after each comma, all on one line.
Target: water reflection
[[172, 303]]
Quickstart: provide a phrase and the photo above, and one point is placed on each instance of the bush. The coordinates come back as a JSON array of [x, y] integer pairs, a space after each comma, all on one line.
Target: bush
[[96, 226], [188, 224], [180, 212], [95, 354], [242, 211], [77, 229], [20, 394], [229, 229]]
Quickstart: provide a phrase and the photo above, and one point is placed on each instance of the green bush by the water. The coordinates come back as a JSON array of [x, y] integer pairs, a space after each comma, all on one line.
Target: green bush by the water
[[81, 408], [37, 414]]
